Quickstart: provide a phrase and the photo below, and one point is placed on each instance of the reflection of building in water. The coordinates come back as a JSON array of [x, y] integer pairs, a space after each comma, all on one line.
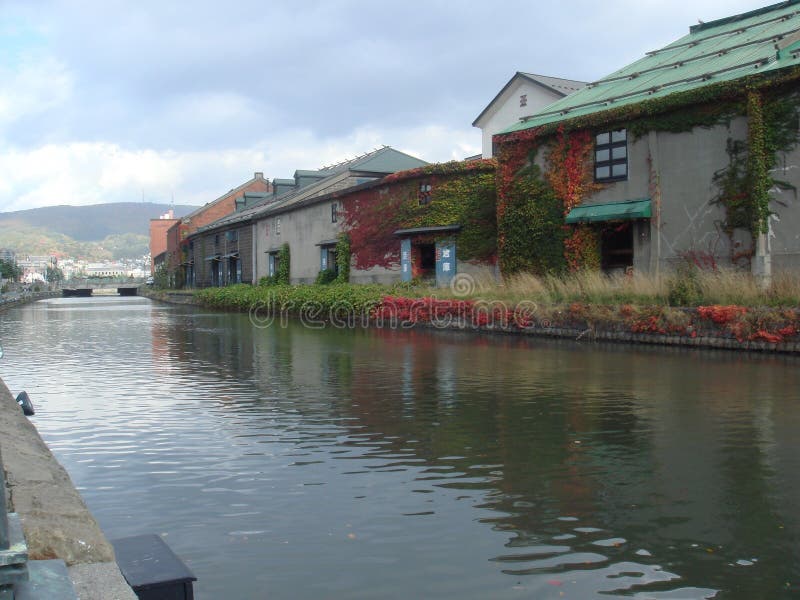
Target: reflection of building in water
[[220, 343], [609, 436]]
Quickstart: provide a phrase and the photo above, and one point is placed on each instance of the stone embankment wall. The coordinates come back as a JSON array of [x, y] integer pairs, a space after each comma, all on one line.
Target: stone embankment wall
[[55, 520], [609, 333], [13, 299], [171, 296]]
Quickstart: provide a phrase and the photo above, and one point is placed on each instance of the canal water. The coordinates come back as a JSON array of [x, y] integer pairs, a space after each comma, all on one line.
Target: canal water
[[289, 462]]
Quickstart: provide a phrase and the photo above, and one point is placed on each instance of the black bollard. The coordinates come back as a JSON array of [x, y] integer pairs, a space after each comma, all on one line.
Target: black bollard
[[25, 402]]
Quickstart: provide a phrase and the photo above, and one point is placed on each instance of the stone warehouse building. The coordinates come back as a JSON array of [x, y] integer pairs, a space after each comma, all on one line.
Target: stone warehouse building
[[688, 153], [244, 246], [429, 222]]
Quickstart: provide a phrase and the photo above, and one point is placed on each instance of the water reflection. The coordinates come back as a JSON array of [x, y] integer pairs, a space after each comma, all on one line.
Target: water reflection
[[309, 462]]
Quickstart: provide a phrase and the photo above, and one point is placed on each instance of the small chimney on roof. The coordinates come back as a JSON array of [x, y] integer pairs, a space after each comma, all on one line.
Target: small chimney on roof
[[258, 175]]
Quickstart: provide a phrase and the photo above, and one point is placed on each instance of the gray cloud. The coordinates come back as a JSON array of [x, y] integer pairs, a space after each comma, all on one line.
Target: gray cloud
[[244, 75]]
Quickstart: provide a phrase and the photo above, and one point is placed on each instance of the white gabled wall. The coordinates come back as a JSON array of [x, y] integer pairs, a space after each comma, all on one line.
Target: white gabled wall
[[507, 111]]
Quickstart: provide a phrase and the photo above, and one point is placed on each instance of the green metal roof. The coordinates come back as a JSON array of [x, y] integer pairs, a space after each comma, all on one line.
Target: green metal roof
[[760, 41], [383, 160], [613, 211]]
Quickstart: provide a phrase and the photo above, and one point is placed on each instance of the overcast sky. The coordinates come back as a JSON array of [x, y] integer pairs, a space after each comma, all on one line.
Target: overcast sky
[[111, 101]]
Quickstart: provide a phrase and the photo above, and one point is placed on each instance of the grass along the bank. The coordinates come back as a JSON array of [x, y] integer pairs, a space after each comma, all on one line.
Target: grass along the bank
[[685, 288], [291, 298], [720, 304]]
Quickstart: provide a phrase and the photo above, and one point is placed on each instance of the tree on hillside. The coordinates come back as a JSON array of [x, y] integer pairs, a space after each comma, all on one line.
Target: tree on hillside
[[10, 270]]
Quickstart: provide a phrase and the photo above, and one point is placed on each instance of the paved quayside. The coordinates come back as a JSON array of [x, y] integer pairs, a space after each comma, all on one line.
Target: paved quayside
[[55, 520]]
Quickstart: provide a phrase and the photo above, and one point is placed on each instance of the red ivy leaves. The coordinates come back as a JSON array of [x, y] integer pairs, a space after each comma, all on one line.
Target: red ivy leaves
[[721, 315], [570, 167], [369, 218], [570, 174]]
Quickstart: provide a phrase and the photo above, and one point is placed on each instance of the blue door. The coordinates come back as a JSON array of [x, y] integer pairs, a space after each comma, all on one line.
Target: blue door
[[445, 262], [405, 259]]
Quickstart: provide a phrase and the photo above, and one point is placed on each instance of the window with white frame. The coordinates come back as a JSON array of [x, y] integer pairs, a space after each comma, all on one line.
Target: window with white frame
[[611, 156]]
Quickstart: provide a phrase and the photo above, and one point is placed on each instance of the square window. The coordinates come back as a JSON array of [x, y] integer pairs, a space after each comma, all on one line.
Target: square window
[[611, 156]]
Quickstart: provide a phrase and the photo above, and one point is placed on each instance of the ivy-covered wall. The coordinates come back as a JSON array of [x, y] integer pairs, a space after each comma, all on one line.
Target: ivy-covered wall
[[713, 161], [540, 181], [461, 193]]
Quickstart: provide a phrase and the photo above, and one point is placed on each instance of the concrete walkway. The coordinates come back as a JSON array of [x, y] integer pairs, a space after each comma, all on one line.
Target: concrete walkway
[[55, 519]]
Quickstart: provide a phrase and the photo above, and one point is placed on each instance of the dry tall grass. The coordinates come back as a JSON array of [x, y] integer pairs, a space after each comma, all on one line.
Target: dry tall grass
[[686, 288]]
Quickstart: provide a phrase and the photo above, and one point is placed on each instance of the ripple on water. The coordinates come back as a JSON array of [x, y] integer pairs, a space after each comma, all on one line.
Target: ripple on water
[[335, 463]]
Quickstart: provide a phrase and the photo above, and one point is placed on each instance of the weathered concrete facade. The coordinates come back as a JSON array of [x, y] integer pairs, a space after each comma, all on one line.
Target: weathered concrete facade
[[675, 172], [309, 230], [221, 257]]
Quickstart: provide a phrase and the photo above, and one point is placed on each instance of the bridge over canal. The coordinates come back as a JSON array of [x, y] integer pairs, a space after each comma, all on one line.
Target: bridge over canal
[[100, 290]]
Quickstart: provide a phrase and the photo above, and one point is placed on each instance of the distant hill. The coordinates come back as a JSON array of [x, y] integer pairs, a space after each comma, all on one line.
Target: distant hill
[[94, 222], [96, 232]]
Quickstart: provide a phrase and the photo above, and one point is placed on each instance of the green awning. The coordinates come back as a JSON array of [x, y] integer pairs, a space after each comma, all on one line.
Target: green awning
[[613, 211]]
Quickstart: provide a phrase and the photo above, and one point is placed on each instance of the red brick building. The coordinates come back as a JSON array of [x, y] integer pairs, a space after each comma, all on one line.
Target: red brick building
[[222, 206], [158, 235], [178, 230]]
